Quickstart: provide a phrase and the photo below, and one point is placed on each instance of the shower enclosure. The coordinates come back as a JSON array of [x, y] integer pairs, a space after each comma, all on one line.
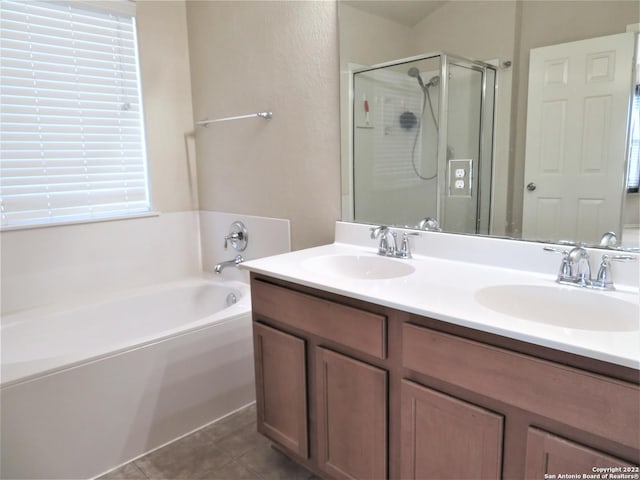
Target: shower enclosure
[[423, 142]]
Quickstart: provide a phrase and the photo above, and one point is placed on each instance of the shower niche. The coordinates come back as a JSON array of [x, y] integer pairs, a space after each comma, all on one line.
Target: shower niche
[[422, 143]]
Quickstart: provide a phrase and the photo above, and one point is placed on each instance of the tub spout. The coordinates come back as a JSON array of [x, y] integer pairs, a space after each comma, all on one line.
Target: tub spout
[[222, 265]]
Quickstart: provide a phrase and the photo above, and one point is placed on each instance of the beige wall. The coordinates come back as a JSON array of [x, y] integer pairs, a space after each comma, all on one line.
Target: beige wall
[[456, 27], [280, 56], [166, 91], [370, 39]]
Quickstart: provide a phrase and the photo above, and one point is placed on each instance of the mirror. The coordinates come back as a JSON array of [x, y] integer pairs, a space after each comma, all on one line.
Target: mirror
[[502, 34]]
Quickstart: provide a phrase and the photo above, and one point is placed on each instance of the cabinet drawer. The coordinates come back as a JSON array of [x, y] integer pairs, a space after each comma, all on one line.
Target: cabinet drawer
[[599, 405], [349, 326]]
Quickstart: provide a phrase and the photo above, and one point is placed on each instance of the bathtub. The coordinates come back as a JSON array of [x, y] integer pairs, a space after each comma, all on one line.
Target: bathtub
[[85, 389]]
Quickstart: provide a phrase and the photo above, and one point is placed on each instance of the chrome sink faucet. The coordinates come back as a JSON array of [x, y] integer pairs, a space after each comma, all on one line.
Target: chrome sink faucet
[[579, 268], [576, 270], [388, 246]]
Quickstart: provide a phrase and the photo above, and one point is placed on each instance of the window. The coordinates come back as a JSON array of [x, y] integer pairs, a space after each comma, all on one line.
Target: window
[[71, 123]]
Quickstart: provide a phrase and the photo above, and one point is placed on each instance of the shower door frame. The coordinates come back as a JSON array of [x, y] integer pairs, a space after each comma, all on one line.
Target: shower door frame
[[482, 67], [445, 59]]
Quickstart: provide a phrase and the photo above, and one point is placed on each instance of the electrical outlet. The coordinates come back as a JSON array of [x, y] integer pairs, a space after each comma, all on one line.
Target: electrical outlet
[[460, 177]]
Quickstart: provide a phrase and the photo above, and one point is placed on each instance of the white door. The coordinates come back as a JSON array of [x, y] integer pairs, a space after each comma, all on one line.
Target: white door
[[575, 155]]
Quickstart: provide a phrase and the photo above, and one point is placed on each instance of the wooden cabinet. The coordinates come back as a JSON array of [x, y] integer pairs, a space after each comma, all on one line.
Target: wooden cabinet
[[597, 404], [352, 417], [446, 438], [359, 391], [549, 456], [318, 395], [281, 386]]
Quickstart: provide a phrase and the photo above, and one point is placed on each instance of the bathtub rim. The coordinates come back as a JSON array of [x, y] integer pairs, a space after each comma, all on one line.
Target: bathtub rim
[[231, 313]]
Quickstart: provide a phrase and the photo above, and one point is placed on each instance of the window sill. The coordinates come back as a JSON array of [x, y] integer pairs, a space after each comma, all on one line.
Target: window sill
[[9, 228]]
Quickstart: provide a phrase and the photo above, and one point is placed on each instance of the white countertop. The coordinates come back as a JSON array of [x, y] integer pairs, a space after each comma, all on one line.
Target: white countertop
[[444, 289]]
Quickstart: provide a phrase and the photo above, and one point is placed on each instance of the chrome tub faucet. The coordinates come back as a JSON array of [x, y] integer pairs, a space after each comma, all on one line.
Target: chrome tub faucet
[[229, 263]]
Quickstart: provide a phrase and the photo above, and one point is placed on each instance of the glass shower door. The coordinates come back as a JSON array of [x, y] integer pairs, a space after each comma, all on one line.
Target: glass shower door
[[466, 165]]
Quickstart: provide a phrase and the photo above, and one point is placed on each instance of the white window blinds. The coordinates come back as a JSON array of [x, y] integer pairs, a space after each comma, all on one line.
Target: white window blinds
[[72, 136]]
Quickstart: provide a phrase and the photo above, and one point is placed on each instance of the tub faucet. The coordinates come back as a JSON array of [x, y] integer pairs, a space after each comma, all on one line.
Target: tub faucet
[[222, 265]]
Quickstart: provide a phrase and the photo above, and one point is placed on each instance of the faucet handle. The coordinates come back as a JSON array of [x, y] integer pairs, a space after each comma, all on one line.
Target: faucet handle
[[565, 268], [405, 248], [237, 236], [377, 231], [605, 279], [381, 233]]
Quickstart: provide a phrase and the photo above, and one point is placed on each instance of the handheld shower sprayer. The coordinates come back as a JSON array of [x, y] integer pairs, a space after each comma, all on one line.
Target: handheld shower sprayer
[[415, 73], [433, 82]]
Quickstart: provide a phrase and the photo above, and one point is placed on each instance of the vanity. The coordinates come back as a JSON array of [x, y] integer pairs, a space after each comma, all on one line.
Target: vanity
[[369, 367]]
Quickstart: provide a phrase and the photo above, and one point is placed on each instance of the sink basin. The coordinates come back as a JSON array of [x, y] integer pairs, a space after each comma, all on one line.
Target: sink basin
[[566, 307], [361, 267]]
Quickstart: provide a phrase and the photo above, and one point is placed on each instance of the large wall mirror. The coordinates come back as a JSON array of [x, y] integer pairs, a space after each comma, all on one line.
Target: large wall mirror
[[545, 87]]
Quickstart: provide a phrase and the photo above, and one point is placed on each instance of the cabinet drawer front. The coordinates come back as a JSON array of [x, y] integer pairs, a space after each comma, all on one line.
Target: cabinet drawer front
[[446, 438], [549, 455], [351, 327], [596, 404], [281, 386]]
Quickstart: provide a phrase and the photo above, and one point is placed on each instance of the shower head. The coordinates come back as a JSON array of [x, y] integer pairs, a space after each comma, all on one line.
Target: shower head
[[415, 73]]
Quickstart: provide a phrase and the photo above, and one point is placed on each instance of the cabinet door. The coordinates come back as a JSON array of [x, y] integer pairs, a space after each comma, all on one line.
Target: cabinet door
[[549, 455], [352, 417], [443, 437], [281, 388]]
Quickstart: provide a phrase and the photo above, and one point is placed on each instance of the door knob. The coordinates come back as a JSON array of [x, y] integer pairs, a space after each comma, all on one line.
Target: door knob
[[531, 186]]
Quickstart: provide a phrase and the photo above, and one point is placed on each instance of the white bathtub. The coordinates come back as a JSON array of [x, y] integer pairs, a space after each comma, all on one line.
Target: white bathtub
[[86, 389]]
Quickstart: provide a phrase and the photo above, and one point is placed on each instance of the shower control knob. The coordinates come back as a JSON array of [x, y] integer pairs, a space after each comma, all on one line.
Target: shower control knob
[[237, 236], [531, 186]]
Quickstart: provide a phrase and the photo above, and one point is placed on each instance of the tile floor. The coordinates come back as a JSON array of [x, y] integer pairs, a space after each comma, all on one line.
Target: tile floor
[[230, 449]]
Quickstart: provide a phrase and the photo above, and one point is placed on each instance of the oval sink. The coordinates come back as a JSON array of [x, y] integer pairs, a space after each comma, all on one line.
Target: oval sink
[[565, 307], [361, 267]]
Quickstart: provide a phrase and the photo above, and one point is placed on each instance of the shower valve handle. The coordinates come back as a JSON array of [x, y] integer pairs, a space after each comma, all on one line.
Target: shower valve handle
[[237, 236]]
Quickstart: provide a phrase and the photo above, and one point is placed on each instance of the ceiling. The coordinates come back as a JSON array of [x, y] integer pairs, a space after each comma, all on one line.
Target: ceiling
[[405, 12]]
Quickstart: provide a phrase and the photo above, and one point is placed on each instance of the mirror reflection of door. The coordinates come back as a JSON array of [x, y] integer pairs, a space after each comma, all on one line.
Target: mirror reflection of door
[[575, 158]]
